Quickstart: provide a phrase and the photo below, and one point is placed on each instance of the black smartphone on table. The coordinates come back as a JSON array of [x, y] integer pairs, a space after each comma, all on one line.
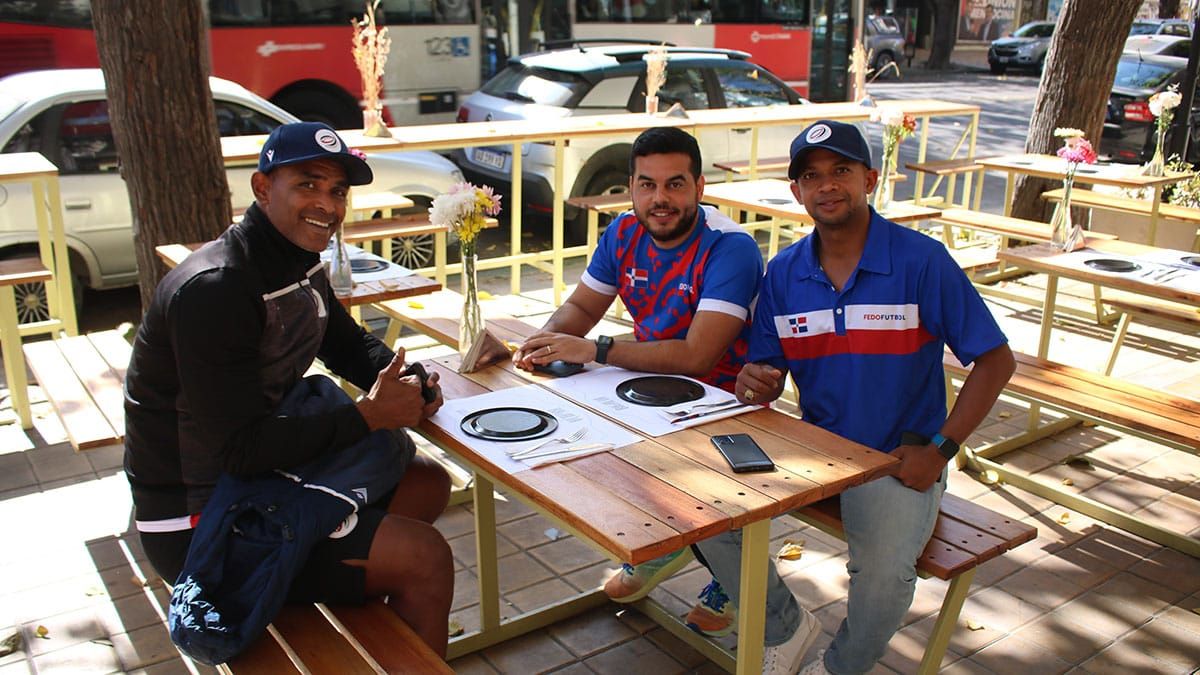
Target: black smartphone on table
[[742, 453]]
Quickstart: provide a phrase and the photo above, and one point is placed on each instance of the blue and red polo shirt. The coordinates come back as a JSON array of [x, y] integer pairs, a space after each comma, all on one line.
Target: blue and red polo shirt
[[718, 268], [867, 361]]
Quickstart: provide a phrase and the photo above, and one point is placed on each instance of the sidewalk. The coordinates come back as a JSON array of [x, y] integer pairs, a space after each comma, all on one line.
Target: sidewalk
[[1082, 597]]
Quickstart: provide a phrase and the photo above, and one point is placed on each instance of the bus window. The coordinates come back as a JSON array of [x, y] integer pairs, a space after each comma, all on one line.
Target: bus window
[[67, 13], [236, 12]]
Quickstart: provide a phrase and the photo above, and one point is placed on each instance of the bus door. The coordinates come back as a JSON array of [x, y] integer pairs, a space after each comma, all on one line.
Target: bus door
[[832, 30]]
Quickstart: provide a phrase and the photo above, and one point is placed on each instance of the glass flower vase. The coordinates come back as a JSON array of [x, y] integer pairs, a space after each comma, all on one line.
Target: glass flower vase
[[1157, 165], [340, 278], [651, 105], [883, 189], [1065, 235], [373, 121], [470, 327]]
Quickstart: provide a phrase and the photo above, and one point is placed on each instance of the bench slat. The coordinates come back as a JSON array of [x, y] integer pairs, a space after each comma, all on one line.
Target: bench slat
[[946, 167], [321, 648], [264, 656], [85, 425], [1013, 532], [390, 641], [1091, 198], [96, 374], [1148, 306]]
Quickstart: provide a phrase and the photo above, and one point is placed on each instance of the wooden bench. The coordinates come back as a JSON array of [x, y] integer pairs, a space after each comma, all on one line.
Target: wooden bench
[[1132, 305], [965, 536], [1139, 207], [1102, 400], [950, 169], [83, 378], [320, 639], [771, 165]]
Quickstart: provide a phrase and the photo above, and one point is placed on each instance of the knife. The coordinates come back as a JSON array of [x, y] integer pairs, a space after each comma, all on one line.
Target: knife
[[707, 413]]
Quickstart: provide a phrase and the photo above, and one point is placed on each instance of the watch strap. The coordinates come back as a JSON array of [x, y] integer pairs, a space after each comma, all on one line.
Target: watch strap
[[946, 447], [603, 343]]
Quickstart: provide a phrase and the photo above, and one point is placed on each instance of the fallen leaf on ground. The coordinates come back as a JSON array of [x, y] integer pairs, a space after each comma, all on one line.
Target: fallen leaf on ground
[[1004, 414], [1068, 481], [1064, 518], [42, 632], [102, 641], [415, 305], [974, 625], [94, 590], [456, 628], [483, 295], [791, 549], [989, 477], [10, 644], [1078, 462]]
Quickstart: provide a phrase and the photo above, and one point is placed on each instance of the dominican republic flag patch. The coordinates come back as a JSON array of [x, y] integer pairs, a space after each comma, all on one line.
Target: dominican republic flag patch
[[798, 324], [637, 278]]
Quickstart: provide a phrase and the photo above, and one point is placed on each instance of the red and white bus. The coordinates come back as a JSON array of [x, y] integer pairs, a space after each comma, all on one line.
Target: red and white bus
[[297, 53], [804, 42]]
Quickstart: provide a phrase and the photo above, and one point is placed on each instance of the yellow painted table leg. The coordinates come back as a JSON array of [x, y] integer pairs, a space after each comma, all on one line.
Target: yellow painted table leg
[[756, 539], [514, 236], [14, 359], [487, 562]]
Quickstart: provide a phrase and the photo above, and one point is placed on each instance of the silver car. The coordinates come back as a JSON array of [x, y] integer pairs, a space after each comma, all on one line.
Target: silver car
[[63, 114], [1025, 48], [587, 80]]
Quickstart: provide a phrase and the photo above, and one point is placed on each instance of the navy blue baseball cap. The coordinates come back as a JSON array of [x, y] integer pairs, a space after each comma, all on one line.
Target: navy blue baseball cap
[[844, 139], [305, 141]]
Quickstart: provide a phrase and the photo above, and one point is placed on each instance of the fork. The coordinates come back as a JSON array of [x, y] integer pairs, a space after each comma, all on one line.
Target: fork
[[570, 438], [698, 406]]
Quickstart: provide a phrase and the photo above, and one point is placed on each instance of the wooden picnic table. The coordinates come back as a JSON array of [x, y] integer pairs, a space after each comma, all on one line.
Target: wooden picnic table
[[364, 292], [642, 501]]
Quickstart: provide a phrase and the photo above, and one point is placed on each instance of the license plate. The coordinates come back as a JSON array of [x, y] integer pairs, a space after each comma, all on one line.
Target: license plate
[[1002, 59], [496, 160]]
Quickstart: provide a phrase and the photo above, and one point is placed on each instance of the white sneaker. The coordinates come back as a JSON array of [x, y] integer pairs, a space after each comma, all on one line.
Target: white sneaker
[[816, 666], [785, 659]]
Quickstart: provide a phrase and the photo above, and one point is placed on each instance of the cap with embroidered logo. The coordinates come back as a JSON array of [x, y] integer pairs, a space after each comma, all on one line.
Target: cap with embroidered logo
[[839, 137], [305, 141]]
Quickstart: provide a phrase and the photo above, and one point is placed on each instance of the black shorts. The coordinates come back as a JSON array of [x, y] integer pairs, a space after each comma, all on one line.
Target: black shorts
[[324, 577]]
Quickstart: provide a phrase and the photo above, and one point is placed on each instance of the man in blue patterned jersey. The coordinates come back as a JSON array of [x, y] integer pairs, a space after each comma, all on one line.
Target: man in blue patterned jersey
[[689, 276], [859, 313]]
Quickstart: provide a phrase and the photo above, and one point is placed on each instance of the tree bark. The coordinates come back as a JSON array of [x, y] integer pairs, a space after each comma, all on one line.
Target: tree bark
[[156, 67], [945, 34], [1075, 86]]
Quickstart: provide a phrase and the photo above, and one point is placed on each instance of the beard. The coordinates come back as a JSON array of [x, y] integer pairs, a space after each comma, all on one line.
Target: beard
[[672, 231]]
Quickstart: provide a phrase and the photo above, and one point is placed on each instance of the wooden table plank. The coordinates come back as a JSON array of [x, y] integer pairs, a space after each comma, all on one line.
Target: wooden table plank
[[317, 642]]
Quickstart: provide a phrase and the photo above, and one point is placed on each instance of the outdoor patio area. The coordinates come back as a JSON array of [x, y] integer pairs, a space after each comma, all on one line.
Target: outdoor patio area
[[1083, 597]]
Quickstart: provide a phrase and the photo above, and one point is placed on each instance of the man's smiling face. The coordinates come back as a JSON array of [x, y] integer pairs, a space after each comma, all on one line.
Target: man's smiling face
[[305, 201]]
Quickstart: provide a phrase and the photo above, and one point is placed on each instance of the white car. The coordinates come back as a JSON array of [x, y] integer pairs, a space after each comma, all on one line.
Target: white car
[[63, 114], [607, 79], [1162, 45]]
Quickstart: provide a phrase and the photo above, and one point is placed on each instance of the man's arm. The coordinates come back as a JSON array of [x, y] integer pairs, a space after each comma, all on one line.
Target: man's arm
[[578, 315], [920, 466]]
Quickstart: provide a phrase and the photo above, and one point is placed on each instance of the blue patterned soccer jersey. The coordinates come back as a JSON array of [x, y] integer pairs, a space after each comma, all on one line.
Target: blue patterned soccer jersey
[[718, 268]]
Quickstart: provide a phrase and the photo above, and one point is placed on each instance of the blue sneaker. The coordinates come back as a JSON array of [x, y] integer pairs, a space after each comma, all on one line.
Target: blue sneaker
[[633, 583], [714, 615]]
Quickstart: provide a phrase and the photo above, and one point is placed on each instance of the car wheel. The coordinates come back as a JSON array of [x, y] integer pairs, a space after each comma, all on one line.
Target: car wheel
[[320, 106], [31, 302], [884, 69], [998, 68], [417, 251], [609, 181]]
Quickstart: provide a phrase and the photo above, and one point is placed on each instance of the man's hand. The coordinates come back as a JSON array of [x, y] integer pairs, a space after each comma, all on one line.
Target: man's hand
[[395, 401], [543, 347], [758, 383], [920, 466]]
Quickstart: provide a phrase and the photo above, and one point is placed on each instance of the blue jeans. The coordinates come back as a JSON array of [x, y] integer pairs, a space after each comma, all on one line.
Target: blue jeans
[[887, 526]]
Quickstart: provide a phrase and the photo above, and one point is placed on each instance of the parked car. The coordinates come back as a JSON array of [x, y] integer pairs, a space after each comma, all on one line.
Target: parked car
[[63, 114], [1162, 45], [885, 41], [1025, 48], [1161, 27], [1128, 123], [591, 80]]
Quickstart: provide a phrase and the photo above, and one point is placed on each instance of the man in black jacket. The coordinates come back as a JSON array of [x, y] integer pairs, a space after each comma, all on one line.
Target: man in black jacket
[[228, 334]]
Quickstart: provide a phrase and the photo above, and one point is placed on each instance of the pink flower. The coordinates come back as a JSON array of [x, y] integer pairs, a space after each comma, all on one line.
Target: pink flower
[[493, 198], [1078, 151]]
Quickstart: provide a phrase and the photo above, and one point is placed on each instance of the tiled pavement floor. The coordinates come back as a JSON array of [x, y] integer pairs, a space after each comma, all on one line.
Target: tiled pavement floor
[[1082, 597]]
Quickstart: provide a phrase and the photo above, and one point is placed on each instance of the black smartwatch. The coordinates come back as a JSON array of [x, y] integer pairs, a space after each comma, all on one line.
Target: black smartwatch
[[946, 447], [603, 343]]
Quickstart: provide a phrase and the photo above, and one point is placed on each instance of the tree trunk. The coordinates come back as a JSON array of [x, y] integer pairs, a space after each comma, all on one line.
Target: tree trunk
[[1076, 82], [1168, 9], [945, 34], [156, 66]]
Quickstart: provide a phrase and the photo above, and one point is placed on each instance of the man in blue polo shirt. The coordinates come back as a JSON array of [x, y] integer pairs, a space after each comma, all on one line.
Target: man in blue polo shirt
[[859, 313], [689, 276]]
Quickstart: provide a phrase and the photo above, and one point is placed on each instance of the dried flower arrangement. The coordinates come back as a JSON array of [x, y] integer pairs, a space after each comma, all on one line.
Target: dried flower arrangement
[[371, 47], [656, 76]]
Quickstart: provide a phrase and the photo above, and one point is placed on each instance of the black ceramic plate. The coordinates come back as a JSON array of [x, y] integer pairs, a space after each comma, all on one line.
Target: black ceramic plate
[[1112, 265], [1085, 170], [367, 265], [509, 424], [659, 390], [774, 200], [1193, 260]]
